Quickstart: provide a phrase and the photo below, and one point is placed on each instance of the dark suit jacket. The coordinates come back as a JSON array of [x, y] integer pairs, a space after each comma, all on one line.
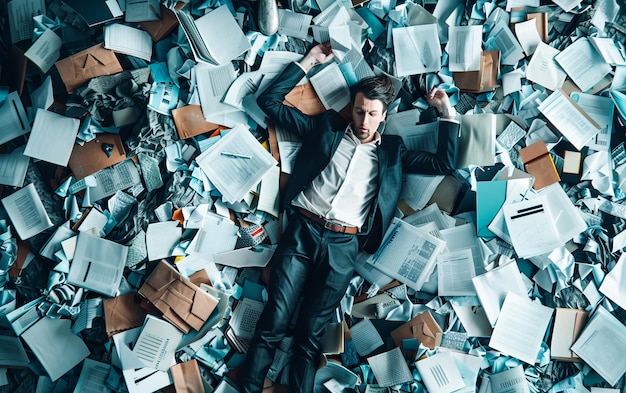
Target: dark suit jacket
[[321, 135]]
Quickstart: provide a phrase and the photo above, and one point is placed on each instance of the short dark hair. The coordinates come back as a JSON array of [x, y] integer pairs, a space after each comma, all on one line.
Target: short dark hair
[[375, 88]]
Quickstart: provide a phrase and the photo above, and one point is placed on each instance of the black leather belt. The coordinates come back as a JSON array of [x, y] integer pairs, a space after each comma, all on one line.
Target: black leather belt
[[333, 226]]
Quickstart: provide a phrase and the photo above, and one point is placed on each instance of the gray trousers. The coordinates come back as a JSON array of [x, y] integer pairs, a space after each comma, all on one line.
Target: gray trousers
[[312, 263]]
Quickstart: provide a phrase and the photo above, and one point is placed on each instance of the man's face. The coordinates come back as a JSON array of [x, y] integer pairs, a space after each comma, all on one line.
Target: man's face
[[366, 117]]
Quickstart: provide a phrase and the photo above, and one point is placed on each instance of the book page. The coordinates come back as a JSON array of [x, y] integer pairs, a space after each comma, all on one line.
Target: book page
[[417, 137], [464, 237], [220, 22], [93, 377], [512, 380]]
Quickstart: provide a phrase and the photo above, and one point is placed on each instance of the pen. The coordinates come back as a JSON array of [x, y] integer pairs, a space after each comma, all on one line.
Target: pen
[[235, 155]]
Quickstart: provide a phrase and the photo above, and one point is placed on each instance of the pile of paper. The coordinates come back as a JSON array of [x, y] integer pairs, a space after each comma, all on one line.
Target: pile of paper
[[141, 184]]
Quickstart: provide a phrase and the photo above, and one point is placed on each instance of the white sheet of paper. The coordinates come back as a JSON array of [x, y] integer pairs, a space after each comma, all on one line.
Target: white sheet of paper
[[583, 64], [45, 51], [98, 264], [439, 373], [293, 24], [138, 378], [217, 235], [510, 49], [493, 286], [521, 327], [161, 238], [614, 284], [26, 211], [20, 18], [390, 368], [465, 47], [407, 254], [236, 163], [365, 337], [474, 320], [13, 167], [464, 237], [609, 50], [512, 380], [331, 87], [543, 69], [157, 342], [600, 109], [531, 227], [13, 119], [602, 345], [52, 137], [93, 377], [269, 192], [128, 40], [528, 35], [416, 49], [455, 270], [59, 355]]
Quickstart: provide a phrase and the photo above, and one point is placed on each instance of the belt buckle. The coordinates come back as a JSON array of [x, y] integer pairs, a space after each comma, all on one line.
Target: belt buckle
[[333, 226]]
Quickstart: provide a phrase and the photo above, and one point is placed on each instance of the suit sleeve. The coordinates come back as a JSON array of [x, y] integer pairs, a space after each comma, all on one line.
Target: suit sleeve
[[271, 101], [444, 161]]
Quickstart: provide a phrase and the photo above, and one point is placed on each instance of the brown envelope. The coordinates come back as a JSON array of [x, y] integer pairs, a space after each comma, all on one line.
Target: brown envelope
[[122, 313], [182, 303], [187, 378], [79, 68], [162, 27], [91, 157], [486, 79], [305, 98], [189, 121], [538, 162], [423, 327]]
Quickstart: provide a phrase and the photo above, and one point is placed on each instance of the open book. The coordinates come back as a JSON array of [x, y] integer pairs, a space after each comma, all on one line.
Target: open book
[[214, 38]]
